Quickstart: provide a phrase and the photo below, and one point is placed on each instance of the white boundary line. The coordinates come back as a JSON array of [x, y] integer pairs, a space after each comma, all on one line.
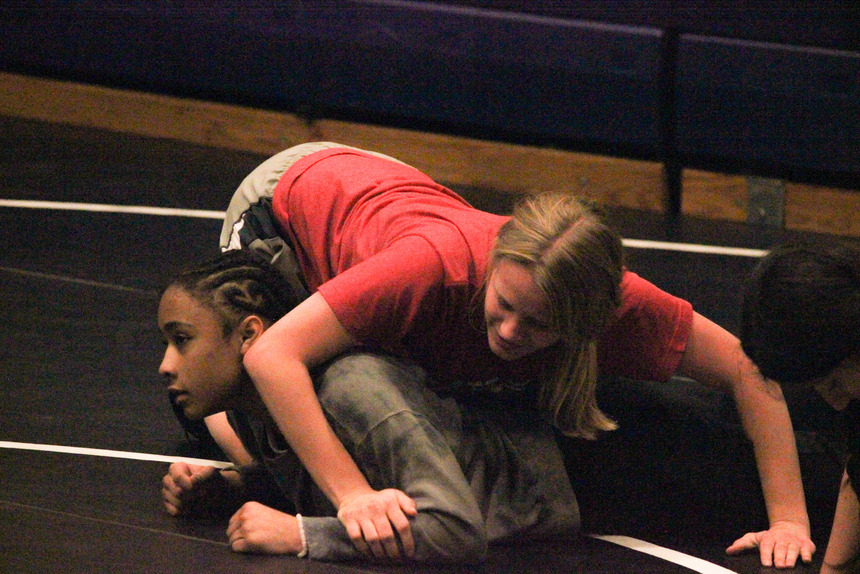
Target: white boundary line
[[110, 453], [103, 208], [77, 281], [113, 523], [685, 560], [204, 214], [693, 248]]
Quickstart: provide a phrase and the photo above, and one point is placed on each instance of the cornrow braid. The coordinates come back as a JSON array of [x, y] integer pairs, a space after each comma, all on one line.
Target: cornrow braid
[[239, 283]]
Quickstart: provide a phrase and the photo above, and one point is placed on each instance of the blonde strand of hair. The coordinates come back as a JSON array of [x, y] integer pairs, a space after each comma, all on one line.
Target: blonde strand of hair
[[569, 397]]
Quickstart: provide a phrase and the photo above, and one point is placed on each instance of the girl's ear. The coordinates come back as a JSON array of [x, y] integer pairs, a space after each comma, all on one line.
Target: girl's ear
[[251, 328]]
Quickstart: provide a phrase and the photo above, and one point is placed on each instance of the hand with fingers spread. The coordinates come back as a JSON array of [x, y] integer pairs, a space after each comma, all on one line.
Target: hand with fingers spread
[[189, 489], [378, 523], [780, 546], [261, 529]]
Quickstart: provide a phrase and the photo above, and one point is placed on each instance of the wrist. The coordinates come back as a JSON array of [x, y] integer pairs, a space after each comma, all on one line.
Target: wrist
[[342, 480], [232, 477], [344, 498], [802, 522]]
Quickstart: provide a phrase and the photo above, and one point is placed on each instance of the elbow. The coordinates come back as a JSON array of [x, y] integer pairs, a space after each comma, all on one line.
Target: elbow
[[256, 356], [470, 547], [449, 540], [266, 356], [251, 359]]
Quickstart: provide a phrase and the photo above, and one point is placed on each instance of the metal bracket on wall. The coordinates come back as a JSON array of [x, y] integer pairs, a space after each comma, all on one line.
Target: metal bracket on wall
[[765, 202]]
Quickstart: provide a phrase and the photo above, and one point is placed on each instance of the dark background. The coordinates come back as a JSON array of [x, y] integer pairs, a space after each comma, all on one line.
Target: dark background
[[766, 88]]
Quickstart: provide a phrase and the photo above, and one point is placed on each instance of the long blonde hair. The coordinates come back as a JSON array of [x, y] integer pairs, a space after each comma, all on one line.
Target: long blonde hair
[[576, 261]]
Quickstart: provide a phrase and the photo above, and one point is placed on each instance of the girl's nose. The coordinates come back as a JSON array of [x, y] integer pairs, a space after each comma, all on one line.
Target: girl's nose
[[509, 329], [167, 368]]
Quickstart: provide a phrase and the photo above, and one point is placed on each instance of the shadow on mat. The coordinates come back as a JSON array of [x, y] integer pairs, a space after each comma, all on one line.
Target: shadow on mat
[[679, 468]]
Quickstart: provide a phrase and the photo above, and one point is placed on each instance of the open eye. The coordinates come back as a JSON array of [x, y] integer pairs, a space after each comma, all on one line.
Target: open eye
[[177, 339]]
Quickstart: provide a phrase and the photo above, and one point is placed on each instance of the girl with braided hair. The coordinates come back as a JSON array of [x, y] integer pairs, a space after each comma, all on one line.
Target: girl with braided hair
[[424, 452], [801, 326]]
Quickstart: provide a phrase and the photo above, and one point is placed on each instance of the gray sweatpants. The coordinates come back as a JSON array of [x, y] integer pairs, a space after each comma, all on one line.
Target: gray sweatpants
[[475, 479]]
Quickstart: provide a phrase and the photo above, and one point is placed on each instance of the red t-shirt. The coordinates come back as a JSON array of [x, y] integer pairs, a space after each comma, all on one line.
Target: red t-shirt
[[401, 259]]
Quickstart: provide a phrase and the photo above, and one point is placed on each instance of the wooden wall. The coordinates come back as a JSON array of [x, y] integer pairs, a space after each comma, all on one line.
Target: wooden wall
[[454, 161]]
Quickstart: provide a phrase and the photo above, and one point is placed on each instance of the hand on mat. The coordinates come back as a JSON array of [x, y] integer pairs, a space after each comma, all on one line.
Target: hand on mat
[[376, 520], [189, 489], [258, 528], [778, 546]]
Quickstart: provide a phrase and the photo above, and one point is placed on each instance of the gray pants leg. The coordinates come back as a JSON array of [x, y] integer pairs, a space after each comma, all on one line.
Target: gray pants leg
[[401, 435], [474, 480]]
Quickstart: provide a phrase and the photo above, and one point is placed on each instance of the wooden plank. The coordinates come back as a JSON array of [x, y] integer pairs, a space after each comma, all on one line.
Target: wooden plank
[[510, 168], [822, 209], [714, 196], [150, 115], [455, 161], [812, 208]]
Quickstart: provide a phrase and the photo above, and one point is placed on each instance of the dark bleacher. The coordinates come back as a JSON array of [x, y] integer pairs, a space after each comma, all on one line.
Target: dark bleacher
[[769, 88]]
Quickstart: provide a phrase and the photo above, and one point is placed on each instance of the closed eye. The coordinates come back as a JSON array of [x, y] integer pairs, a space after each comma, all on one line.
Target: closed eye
[[537, 324]]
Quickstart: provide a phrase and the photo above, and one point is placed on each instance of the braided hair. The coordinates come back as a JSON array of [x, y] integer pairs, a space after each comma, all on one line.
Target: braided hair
[[236, 284]]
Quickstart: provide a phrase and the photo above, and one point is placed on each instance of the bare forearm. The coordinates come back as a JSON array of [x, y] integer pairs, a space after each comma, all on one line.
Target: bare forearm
[[714, 357], [768, 425], [278, 365], [288, 394], [224, 435]]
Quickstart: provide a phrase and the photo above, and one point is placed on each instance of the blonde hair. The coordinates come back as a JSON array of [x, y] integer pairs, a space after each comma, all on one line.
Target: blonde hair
[[576, 261]]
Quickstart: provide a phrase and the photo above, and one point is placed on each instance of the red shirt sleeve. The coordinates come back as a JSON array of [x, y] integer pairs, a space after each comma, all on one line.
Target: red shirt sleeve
[[649, 334]]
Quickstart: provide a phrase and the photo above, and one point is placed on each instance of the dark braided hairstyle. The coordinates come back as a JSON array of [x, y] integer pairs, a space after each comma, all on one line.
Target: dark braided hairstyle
[[801, 310], [239, 283], [235, 284]]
